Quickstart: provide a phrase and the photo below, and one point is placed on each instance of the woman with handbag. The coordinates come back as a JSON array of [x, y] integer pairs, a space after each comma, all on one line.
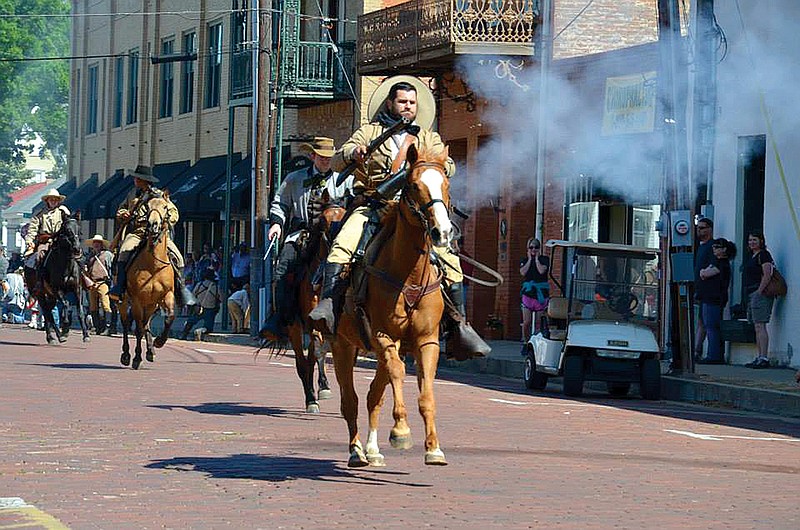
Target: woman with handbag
[[758, 270]]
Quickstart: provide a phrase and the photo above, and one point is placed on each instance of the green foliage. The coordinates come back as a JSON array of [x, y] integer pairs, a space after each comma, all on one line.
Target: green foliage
[[25, 85], [13, 176]]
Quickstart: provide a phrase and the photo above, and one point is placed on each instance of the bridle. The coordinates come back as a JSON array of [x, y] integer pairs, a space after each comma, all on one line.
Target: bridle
[[420, 211], [163, 226]]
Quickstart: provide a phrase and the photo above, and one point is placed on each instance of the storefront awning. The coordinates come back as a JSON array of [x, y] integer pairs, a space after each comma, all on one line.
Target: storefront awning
[[187, 189], [79, 200]]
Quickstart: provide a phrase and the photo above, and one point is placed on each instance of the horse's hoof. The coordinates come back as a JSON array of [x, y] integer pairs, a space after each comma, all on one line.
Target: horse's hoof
[[401, 441], [125, 359], [312, 408], [435, 458], [357, 458], [376, 460], [149, 356], [51, 341], [325, 393], [62, 339], [159, 342], [136, 362], [87, 338]]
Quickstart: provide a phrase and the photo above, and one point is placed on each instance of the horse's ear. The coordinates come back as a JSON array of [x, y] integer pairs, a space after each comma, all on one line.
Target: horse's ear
[[166, 194], [412, 154], [325, 197]]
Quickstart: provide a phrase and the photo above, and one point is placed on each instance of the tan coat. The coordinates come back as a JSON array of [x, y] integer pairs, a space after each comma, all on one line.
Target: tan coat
[[379, 165], [46, 222], [135, 205]]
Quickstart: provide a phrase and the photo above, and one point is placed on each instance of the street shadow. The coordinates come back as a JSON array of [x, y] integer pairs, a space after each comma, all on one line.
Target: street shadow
[[698, 412], [76, 366], [281, 469], [14, 343], [243, 409]]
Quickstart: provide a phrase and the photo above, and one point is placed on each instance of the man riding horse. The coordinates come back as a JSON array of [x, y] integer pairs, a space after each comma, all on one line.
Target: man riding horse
[[395, 100], [133, 213], [292, 212], [43, 227]]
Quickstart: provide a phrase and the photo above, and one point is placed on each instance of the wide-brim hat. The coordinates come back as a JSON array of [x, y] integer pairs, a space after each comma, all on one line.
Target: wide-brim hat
[[321, 145], [426, 103], [144, 173], [97, 237], [52, 192]]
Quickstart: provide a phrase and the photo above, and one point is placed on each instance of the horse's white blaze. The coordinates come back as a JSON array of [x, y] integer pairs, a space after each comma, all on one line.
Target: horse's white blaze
[[434, 180], [372, 442]]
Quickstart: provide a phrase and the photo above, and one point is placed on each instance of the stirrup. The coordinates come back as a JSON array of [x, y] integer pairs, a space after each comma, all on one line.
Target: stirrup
[[465, 343]]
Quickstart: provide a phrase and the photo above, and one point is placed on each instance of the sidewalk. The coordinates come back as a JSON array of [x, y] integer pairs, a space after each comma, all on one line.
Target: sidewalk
[[771, 390]]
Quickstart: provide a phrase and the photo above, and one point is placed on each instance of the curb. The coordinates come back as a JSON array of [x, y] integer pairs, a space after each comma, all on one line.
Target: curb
[[672, 388]]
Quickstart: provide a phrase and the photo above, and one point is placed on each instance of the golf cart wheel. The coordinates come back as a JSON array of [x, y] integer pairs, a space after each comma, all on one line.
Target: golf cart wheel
[[573, 376], [651, 379], [534, 379], [617, 389]]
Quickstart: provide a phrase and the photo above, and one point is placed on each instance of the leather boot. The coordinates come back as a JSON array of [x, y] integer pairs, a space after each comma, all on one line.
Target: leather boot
[[274, 329], [185, 333], [95, 316], [462, 341], [325, 315], [118, 289], [100, 327], [183, 296]]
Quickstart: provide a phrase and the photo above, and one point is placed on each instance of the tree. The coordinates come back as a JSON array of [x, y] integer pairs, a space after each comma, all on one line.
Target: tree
[[26, 85]]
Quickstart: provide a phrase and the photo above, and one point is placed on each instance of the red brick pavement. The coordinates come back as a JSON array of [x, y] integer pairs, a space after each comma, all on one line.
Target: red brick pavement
[[214, 440]]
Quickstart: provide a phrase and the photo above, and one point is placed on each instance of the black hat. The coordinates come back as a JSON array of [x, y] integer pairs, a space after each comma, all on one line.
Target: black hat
[[144, 173]]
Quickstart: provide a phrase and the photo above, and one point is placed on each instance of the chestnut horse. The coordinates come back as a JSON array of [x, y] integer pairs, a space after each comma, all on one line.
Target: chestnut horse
[[403, 304], [150, 285], [318, 246]]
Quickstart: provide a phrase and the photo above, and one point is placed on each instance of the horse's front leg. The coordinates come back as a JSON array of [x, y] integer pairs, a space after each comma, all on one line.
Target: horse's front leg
[[304, 366], [125, 319], [375, 398], [169, 305], [137, 359], [50, 328], [64, 317], [426, 373], [148, 335], [344, 359], [400, 435]]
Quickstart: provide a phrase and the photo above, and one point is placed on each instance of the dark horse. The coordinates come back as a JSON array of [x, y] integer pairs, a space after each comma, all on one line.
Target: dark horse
[[60, 275]]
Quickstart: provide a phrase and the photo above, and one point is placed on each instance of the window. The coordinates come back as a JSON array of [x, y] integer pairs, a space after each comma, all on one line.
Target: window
[[187, 74], [213, 75], [167, 80], [119, 80], [91, 101], [77, 113], [133, 87]]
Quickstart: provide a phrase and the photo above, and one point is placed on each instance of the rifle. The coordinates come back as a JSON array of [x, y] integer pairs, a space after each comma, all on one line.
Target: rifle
[[401, 125], [121, 232]]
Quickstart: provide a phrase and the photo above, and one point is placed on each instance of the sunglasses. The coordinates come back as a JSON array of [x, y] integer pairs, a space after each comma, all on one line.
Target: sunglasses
[[702, 227], [534, 247]]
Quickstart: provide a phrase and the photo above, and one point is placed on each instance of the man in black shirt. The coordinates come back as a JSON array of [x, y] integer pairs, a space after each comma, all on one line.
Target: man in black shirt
[[704, 256]]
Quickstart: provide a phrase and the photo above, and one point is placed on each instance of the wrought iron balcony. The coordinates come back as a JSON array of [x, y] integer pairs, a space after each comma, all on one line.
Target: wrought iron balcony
[[422, 35], [312, 70]]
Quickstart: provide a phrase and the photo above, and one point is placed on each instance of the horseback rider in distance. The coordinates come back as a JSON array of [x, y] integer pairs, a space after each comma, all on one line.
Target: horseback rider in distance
[[43, 227], [293, 210], [394, 100], [133, 214]]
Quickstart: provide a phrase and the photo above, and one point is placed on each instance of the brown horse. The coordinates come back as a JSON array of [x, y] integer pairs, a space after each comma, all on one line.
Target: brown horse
[[150, 285], [316, 244], [403, 304]]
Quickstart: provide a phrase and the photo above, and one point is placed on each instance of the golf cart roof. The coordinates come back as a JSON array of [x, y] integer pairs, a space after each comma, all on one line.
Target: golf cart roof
[[603, 247]]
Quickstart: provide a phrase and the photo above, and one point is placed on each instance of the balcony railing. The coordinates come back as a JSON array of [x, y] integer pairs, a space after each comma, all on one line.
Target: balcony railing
[[419, 29], [314, 71]]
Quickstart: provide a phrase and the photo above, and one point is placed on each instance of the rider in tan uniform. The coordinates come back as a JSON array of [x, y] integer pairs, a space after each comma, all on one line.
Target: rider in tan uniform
[[133, 213], [98, 270], [44, 226], [396, 98]]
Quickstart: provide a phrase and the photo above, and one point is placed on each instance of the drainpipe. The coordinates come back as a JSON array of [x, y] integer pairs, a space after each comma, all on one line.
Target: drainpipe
[[545, 53]]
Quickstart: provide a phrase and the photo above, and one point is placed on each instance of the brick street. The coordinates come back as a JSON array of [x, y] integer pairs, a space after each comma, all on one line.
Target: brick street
[[207, 438]]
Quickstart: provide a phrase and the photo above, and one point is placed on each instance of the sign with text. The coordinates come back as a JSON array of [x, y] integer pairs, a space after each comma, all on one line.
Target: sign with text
[[630, 104]]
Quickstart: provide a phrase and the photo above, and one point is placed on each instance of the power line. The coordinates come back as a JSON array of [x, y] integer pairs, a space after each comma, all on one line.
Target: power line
[[182, 14]]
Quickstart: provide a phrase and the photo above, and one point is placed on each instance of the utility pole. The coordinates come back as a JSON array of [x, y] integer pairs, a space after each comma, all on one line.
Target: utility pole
[[544, 49], [672, 82], [704, 110]]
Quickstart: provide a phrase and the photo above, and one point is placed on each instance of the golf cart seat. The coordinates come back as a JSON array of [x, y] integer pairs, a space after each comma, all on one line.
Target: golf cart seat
[[557, 318]]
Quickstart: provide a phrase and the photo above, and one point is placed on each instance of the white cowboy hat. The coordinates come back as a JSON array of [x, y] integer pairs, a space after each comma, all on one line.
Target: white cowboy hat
[[321, 145], [426, 103], [52, 192], [97, 237]]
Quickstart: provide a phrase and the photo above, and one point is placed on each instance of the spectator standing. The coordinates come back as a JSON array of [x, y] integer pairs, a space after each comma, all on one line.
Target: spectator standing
[[3, 264], [208, 301], [205, 261], [757, 272], [702, 259], [15, 262], [714, 283], [189, 270], [240, 266], [239, 309], [14, 298], [535, 290]]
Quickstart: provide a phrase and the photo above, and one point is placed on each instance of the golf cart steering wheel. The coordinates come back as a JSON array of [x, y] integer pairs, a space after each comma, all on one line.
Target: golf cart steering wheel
[[622, 301]]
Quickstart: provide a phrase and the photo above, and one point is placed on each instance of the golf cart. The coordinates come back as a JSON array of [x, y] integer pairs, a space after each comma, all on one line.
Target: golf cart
[[602, 321]]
